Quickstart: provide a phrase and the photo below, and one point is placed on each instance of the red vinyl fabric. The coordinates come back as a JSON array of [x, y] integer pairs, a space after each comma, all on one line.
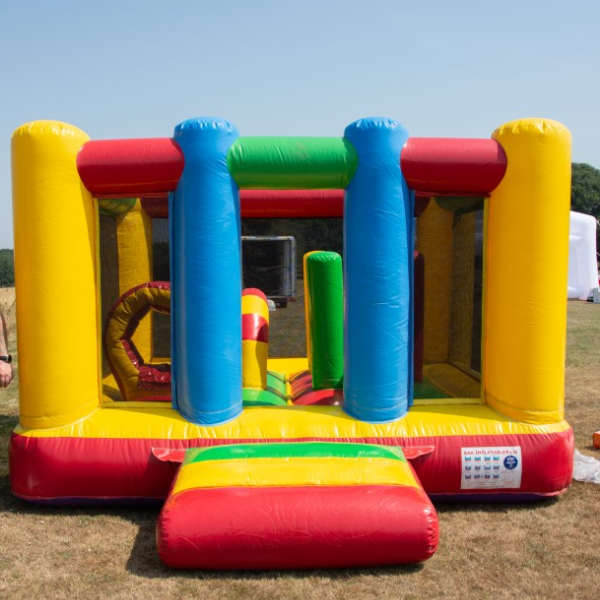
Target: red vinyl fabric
[[136, 167], [300, 527], [271, 204], [453, 166], [257, 204], [111, 469], [254, 292], [255, 327]]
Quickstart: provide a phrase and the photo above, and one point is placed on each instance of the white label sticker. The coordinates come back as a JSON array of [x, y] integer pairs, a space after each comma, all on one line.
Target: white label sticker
[[490, 468]]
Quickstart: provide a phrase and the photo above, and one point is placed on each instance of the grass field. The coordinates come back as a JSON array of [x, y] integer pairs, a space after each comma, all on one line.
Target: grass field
[[548, 550]]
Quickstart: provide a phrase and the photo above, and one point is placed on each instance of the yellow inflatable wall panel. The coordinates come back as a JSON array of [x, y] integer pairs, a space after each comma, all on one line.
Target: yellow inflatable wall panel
[[462, 299], [526, 274], [55, 273], [254, 364], [134, 240], [294, 423], [434, 242]]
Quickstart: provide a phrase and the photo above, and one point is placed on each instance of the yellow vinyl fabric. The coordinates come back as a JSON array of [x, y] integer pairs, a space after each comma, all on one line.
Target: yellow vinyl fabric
[[255, 305], [255, 353], [526, 273], [134, 246], [282, 472], [293, 423], [55, 277], [254, 364], [288, 365]]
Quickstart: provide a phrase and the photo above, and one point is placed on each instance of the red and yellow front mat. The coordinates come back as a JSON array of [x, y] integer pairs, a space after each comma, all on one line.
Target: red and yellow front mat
[[296, 506]]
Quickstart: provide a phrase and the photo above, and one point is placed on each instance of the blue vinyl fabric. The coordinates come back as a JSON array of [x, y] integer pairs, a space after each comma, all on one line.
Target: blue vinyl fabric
[[206, 281], [378, 255]]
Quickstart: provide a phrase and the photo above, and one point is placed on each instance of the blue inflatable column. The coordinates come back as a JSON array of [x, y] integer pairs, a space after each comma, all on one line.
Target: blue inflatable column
[[378, 275], [206, 284]]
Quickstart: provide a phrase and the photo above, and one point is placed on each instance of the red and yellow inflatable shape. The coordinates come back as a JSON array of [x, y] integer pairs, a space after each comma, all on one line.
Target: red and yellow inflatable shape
[[136, 378]]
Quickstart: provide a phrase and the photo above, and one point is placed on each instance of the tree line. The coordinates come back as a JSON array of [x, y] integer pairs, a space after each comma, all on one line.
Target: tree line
[[7, 268], [585, 193]]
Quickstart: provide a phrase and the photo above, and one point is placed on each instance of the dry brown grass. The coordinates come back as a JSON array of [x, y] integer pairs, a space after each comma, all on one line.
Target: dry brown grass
[[525, 551], [8, 306]]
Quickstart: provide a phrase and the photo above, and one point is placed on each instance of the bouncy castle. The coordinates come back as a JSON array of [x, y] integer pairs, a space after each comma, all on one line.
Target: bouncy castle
[[433, 360]]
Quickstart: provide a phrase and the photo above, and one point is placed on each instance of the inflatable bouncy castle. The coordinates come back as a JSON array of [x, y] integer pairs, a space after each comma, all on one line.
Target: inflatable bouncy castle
[[583, 257], [432, 342]]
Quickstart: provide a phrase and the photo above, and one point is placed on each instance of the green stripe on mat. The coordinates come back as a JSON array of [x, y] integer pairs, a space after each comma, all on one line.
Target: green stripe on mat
[[293, 450]]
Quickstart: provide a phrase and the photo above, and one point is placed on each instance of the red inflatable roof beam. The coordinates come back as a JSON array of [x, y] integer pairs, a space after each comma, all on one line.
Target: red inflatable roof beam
[[453, 167], [119, 168], [288, 204], [270, 204]]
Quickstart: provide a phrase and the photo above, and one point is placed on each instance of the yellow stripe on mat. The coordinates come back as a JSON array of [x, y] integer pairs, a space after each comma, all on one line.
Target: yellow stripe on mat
[[285, 472]]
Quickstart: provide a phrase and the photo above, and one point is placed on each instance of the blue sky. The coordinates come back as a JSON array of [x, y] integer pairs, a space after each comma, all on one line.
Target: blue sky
[[136, 68]]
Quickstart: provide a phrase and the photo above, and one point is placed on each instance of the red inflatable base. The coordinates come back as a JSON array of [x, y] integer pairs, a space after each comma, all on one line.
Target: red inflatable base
[[70, 470], [302, 527]]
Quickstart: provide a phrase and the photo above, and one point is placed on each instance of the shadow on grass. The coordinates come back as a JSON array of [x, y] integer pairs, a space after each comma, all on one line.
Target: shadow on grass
[[7, 424], [494, 506]]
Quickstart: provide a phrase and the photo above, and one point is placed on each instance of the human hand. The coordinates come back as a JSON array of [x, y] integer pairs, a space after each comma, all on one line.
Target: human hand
[[6, 374]]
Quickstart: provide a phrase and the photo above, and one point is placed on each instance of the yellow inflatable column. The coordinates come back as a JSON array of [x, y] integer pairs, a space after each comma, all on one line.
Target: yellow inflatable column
[[255, 339], [55, 275], [134, 241], [526, 274]]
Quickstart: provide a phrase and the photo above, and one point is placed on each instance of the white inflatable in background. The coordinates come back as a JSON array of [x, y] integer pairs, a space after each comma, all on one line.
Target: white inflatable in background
[[583, 261]]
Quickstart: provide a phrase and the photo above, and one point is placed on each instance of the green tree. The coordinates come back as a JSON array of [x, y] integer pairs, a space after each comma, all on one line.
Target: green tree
[[585, 192], [585, 189], [7, 268]]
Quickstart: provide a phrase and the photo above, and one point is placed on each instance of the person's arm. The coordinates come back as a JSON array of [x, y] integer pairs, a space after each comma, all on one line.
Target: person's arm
[[6, 370]]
